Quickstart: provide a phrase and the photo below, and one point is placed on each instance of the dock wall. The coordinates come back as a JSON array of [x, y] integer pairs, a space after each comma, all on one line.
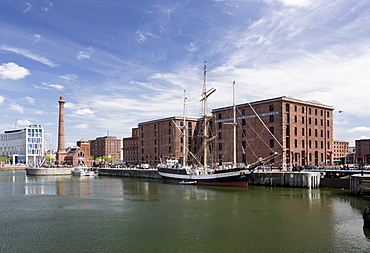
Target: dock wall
[[360, 184], [287, 179], [143, 173], [48, 171]]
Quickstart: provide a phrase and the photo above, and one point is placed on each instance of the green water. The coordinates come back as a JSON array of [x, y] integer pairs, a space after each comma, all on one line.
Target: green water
[[111, 214]]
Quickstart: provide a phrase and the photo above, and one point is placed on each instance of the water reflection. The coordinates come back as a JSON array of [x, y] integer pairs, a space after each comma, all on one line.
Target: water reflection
[[124, 212]]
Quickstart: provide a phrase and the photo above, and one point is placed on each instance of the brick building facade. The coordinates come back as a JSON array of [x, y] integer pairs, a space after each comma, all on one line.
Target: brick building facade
[[303, 128], [79, 154], [130, 147], [157, 140], [108, 146], [362, 151], [340, 151]]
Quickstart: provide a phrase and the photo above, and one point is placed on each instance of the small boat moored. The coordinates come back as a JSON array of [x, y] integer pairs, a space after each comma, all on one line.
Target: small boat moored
[[83, 171], [188, 182]]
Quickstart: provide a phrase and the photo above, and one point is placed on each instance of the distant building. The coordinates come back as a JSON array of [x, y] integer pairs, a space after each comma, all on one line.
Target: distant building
[[108, 146], [351, 157], [340, 152], [130, 147], [157, 140], [363, 151], [24, 146], [79, 155]]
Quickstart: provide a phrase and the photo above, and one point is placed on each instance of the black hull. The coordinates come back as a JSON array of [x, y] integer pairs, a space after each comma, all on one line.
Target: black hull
[[238, 178]]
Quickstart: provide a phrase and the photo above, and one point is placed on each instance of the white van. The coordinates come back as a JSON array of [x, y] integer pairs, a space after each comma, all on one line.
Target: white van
[[144, 166]]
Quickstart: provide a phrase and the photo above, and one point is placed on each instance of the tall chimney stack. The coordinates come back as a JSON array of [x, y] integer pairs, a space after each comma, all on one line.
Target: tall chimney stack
[[61, 153]]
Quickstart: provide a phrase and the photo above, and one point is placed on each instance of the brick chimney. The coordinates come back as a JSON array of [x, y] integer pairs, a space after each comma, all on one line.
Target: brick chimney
[[61, 153]]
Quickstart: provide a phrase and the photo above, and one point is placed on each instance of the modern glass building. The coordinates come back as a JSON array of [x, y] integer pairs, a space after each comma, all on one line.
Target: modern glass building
[[23, 145]]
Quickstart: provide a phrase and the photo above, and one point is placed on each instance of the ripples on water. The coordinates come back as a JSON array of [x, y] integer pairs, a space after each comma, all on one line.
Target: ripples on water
[[110, 214]]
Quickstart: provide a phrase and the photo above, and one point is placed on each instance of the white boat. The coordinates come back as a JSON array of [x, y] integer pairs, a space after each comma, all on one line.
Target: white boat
[[83, 171], [235, 175], [188, 182]]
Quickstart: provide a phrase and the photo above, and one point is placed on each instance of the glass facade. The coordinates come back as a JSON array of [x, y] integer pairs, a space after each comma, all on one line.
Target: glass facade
[[24, 145]]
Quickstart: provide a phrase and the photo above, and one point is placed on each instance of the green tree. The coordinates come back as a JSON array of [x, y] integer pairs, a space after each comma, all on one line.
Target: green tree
[[5, 159], [108, 159]]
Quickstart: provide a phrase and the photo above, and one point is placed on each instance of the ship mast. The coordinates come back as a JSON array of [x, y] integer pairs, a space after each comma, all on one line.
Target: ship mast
[[206, 138], [205, 134], [234, 128], [184, 132]]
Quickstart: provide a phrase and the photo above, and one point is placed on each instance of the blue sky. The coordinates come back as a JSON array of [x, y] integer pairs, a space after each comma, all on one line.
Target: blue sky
[[120, 62]]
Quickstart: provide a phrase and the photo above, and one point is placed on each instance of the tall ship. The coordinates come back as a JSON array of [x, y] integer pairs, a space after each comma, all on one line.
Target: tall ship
[[234, 174]]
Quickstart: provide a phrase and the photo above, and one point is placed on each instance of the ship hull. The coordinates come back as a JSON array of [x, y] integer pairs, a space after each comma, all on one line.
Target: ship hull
[[228, 179]]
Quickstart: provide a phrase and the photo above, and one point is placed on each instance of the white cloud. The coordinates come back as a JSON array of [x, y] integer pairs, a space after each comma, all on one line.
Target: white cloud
[[13, 71], [28, 100], [39, 112], [363, 138], [16, 107], [85, 54], [83, 112], [29, 55], [47, 86], [29, 6], [37, 37], [69, 105], [68, 77], [81, 126], [23, 122], [298, 3], [56, 86], [142, 37], [192, 47], [2, 99], [48, 7], [361, 129]]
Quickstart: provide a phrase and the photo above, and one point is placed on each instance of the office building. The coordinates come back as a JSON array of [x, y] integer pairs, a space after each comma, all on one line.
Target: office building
[[24, 146]]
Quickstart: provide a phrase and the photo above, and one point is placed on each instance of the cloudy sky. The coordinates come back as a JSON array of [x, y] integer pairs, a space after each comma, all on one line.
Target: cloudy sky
[[120, 62]]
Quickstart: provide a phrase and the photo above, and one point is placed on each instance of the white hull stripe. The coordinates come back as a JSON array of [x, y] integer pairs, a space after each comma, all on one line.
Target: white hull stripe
[[205, 176]]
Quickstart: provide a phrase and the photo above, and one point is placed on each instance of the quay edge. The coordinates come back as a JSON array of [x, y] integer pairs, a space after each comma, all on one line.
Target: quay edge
[[142, 173], [48, 171], [288, 179], [360, 184]]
